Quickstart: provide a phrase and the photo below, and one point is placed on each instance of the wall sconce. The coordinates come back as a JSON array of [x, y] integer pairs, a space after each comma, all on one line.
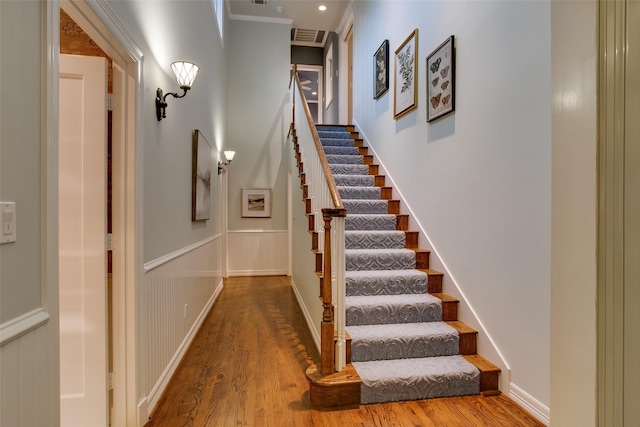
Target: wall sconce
[[186, 73], [229, 156]]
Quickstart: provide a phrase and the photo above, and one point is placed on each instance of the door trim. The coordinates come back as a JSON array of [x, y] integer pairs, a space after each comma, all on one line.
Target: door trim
[[102, 25]]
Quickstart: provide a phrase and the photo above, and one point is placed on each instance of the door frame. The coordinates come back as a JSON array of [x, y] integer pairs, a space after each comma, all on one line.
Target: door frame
[[100, 23], [321, 92]]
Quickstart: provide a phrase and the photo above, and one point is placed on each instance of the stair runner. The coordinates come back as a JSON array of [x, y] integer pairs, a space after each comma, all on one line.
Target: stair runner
[[400, 348]]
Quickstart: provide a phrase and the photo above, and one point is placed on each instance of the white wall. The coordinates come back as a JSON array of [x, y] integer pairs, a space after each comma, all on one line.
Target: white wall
[[29, 379], [574, 214], [479, 180], [182, 259], [165, 32], [259, 115]]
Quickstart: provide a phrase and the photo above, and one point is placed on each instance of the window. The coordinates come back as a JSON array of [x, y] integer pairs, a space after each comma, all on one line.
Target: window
[[218, 9]]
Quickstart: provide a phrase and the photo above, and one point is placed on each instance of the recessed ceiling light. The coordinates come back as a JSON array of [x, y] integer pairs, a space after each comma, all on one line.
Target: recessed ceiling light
[[322, 8]]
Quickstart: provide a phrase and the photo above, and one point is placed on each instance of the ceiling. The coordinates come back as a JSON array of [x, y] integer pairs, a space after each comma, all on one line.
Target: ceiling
[[310, 26]]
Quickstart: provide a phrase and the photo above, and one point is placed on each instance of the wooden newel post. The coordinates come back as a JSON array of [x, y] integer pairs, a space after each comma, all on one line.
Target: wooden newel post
[[327, 356]]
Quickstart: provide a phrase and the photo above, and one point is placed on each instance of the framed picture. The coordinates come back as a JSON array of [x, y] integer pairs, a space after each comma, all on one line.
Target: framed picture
[[441, 74], [381, 70], [256, 202], [201, 178], [406, 77]]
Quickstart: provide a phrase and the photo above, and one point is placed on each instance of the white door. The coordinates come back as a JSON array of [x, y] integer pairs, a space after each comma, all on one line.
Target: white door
[[82, 231]]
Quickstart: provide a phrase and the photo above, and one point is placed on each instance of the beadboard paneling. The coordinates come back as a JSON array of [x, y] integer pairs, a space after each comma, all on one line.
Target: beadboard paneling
[[191, 278], [26, 370], [258, 252]]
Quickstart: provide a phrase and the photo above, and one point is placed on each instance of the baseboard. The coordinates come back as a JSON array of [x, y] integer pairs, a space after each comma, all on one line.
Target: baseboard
[[315, 334], [161, 384], [143, 412], [529, 403], [269, 272]]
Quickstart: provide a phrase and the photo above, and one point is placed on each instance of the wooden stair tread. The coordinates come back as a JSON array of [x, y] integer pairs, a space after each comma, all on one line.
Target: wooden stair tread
[[445, 297], [461, 327], [481, 363], [431, 272]]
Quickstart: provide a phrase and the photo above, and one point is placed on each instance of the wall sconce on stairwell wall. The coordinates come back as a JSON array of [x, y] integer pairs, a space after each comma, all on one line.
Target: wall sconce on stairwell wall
[[186, 73], [229, 155]]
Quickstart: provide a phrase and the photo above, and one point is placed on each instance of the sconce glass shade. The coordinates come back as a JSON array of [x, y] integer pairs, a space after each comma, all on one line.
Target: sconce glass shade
[[185, 72], [229, 155]]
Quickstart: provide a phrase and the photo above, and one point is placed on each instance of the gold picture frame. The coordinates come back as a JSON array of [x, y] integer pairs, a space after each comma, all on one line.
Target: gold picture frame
[[406, 76]]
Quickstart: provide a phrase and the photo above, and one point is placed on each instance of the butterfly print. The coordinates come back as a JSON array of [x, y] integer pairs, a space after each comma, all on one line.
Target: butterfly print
[[436, 100], [444, 72], [445, 85], [446, 99], [435, 65], [434, 82]]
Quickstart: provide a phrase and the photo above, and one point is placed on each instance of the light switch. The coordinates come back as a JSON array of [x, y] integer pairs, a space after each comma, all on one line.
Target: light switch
[[8, 215]]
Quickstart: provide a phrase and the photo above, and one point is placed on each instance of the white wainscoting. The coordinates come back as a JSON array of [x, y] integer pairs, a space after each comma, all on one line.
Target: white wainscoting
[[258, 253], [176, 294], [26, 369]]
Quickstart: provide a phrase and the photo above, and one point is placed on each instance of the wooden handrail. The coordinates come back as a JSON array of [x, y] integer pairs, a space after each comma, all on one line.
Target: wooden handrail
[[333, 189]]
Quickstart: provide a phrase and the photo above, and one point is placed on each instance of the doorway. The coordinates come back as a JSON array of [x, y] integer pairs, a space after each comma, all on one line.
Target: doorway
[[311, 81], [100, 24]]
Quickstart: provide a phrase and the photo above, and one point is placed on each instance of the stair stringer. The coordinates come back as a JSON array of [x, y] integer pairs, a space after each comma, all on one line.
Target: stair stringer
[[486, 345]]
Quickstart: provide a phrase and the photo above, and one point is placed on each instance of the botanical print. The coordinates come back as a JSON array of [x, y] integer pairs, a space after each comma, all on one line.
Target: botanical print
[[406, 98], [406, 68]]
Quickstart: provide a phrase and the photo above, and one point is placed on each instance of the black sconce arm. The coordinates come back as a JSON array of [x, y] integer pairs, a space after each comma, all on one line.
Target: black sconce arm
[[161, 101]]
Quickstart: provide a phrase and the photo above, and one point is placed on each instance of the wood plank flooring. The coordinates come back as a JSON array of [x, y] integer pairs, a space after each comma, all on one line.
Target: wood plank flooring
[[246, 367]]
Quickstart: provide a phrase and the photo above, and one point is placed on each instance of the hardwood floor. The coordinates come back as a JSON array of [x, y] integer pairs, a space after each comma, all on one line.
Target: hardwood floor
[[246, 367]]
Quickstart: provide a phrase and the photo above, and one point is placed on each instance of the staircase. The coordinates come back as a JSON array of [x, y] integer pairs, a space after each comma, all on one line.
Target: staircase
[[405, 342]]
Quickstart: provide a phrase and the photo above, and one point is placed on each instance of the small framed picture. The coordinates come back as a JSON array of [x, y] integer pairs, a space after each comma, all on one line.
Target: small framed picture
[[381, 70], [406, 76], [200, 178], [256, 202], [441, 74]]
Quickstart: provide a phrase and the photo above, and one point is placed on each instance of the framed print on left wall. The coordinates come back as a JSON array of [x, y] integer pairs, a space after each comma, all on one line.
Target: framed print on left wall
[[200, 178], [406, 76]]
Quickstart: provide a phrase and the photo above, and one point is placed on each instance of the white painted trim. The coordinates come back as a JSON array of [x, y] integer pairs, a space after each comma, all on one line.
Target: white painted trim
[[314, 332], [178, 253], [530, 404], [267, 20], [267, 272], [15, 328], [156, 392], [114, 39], [506, 369], [257, 231]]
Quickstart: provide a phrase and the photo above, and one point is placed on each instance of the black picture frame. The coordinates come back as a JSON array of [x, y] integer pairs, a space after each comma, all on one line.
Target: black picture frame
[[381, 70], [441, 80]]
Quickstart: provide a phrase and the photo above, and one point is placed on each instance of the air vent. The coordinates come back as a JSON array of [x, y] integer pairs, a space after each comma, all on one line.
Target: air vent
[[264, 2], [303, 37]]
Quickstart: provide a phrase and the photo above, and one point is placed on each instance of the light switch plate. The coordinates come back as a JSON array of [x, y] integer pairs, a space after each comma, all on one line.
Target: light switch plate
[[8, 218]]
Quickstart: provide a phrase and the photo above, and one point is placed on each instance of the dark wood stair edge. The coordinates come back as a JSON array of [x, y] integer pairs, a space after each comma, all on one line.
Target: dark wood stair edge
[[489, 375], [340, 389]]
